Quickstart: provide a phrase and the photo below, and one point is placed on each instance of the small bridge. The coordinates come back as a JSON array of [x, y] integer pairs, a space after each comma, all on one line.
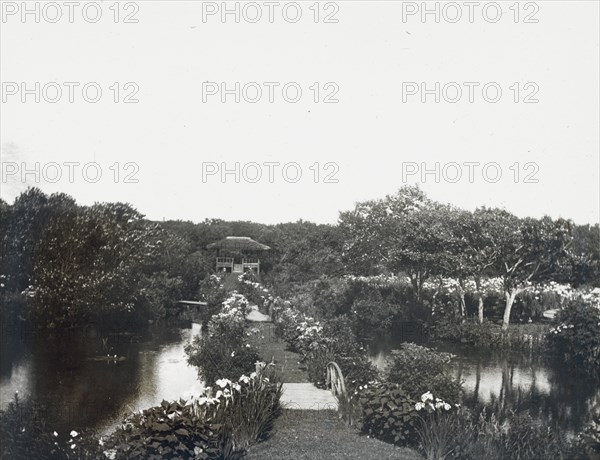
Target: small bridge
[[305, 396], [191, 303]]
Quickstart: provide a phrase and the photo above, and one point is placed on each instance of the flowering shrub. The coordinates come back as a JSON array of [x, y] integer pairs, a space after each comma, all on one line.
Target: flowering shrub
[[220, 423], [387, 412], [576, 334], [420, 369], [212, 291], [221, 351], [254, 291]]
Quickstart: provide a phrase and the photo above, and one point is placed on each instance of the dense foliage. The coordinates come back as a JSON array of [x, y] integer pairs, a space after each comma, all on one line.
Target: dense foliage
[[420, 369], [387, 412], [25, 433], [219, 424], [576, 334], [220, 352]]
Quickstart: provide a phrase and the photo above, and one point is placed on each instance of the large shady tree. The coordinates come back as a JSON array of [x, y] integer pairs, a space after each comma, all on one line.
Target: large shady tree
[[404, 232], [528, 250]]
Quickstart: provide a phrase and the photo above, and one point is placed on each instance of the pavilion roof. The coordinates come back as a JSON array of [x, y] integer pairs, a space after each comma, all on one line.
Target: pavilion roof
[[238, 243]]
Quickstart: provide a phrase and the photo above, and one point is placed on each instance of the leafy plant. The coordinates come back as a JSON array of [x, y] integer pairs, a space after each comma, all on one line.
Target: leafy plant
[[221, 352], [420, 369], [576, 334], [387, 412]]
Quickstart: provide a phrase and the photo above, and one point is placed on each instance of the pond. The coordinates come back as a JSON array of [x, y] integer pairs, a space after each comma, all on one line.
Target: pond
[[81, 388], [523, 379]]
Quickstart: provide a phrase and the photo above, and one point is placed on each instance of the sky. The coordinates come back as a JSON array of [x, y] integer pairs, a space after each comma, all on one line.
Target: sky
[[357, 120]]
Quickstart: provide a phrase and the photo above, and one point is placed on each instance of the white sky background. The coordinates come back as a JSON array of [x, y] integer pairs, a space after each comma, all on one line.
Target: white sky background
[[369, 133]]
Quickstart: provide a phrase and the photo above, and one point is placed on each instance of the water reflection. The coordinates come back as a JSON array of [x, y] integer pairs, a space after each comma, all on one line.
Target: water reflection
[[515, 380], [80, 388]]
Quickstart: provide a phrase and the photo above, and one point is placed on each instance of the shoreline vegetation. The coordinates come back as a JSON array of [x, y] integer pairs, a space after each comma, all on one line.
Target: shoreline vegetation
[[483, 279]]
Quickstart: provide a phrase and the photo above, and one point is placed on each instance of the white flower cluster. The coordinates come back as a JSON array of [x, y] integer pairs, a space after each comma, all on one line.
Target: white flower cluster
[[560, 328], [378, 280], [431, 404]]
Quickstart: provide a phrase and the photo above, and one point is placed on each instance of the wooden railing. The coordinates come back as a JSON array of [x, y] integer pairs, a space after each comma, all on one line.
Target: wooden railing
[[335, 380], [224, 262]]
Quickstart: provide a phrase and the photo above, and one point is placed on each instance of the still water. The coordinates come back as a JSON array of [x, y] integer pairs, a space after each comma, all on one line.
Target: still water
[[81, 388], [523, 379]]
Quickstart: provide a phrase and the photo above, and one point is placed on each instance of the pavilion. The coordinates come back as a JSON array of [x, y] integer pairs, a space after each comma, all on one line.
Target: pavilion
[[238, 254]]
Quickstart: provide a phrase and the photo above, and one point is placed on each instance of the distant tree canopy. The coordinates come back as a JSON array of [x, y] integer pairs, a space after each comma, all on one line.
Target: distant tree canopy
[[410, 233], [106, 262]]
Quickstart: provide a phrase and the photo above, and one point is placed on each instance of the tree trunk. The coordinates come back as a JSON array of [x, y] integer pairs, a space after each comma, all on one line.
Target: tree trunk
[[510, 295], [480, 300], [480, 308], [461, 296]]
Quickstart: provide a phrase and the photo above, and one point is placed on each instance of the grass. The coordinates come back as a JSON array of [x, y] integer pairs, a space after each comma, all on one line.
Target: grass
[[270, 347], [311, 434], [304, 435]]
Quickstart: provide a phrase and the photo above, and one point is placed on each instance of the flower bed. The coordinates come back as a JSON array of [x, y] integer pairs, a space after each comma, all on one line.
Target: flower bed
[[220, 423]]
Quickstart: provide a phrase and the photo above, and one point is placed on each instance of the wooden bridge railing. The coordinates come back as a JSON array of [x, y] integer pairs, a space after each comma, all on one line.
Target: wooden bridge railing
[[335, 380]]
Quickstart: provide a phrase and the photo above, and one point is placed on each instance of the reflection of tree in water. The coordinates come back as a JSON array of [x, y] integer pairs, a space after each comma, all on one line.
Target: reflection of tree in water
[[79, 382], [76, 390], [567, 403]]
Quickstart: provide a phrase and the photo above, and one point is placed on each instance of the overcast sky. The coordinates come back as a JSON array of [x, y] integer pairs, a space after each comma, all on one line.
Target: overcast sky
[[371, 61]]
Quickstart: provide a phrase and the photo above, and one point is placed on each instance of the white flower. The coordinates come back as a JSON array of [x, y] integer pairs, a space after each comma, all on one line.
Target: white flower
[[223, 382], [419, 406], [247, 345], [73, 446], [55, 433], [237, 387], [101, 442], [219, 394], [253, 375], [427, 396], [446, 406], [232, 354], [73, 434], [244, 379]]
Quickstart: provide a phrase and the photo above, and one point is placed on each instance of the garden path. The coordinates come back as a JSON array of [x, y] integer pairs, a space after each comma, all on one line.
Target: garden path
[[298, 392]]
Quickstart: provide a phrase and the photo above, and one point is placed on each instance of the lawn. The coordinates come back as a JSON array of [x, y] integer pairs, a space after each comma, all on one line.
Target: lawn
[[310, 435], [270, 347]]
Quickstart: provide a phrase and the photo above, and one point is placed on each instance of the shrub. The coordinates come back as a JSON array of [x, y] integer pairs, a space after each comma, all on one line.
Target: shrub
[[338, 343], [25, 434], [590, 436], [221, 423], [387, 412], [221, 352], [171, 430], [252, 289], [468, 332], [576, 335], [420, 369]]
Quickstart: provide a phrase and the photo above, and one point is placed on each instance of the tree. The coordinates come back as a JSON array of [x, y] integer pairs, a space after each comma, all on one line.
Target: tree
[[529, 250], [584, 256], [404, 232], [90, 263]]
